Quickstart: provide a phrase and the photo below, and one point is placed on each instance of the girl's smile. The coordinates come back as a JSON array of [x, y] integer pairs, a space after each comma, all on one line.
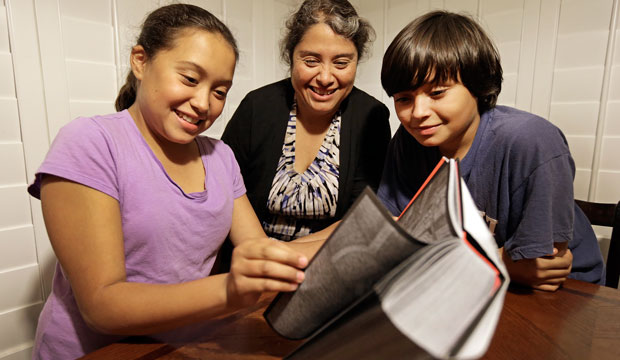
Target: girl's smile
[[182, 89]]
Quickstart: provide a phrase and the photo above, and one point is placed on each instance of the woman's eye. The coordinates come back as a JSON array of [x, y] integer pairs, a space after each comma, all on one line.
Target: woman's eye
[[311, 62], [341, 64]]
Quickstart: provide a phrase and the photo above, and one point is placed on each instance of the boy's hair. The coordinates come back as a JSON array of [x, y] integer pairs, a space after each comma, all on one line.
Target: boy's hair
[[339, 15], [441, 46], [159, 31]]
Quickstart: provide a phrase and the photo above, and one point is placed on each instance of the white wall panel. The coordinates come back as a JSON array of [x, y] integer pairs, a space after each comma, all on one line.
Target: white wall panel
[[608, 189], [609, 155], [24, 286], [575, 118], [91, 81], [13, 169], [614, 89], [19, 354], [581, 49], [582, 148], [465, 6], [369, 69], [15, 209], [585, 16], [612, 125], [7, 85], [129, 18], [88, 40], [79, 108], [401, 13], [545, 57], [577, 84], [581, 183], [4, 31], [240, 20], [9, 126], [27, 111], [17, 247], [53, 65], [18, 327], [95, 10]]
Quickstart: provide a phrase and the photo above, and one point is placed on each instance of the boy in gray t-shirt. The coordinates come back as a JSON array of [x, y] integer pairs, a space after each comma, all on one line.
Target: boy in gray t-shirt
[[445, 75]]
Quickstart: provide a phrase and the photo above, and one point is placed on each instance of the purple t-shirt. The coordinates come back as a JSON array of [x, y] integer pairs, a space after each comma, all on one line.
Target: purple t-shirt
[[169, 236]]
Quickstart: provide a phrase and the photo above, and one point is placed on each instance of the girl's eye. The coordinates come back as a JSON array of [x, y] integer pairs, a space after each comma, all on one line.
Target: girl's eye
[[190, 80], [221, 94]]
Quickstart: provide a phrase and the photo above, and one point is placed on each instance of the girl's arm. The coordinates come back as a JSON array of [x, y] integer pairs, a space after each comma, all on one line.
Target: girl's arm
[[246, 226], [84, 227]]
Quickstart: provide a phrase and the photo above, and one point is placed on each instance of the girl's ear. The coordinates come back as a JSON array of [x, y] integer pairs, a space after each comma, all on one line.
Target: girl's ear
[[137, 60]]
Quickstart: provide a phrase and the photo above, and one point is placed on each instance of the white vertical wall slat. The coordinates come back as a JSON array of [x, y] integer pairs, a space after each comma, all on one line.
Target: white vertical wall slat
[[30, 100], [600, 126], [545, 57], [527, 51]]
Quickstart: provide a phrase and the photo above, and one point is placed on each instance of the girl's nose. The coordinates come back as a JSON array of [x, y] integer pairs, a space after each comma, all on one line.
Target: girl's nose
[[200, 101]]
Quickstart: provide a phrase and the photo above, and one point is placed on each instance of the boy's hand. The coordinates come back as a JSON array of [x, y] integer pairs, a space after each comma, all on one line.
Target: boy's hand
[[544, 273], [262, 265]]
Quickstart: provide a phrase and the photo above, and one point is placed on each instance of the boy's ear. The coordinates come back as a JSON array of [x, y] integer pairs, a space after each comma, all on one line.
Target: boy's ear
[[137, 60]]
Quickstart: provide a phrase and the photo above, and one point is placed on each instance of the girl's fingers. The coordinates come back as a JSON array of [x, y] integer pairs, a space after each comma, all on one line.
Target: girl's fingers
[[267, 269], [273, 250]]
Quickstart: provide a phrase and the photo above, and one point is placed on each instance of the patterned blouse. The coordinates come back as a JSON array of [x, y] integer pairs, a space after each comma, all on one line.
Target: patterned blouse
[[300, 204]]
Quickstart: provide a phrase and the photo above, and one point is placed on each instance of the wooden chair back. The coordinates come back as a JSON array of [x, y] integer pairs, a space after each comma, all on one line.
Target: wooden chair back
[[607, 215]]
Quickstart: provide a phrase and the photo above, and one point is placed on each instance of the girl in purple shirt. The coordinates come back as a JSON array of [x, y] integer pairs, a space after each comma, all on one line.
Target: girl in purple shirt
[[137, 203]]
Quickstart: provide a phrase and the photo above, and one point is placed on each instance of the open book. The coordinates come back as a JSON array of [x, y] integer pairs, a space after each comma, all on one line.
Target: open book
[[429, 284]]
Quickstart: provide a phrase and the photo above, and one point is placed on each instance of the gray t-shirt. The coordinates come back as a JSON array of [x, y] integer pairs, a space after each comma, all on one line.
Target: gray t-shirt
[[520, 173]]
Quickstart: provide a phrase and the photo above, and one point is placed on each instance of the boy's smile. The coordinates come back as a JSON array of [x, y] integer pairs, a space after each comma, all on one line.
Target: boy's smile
[[444, 115]]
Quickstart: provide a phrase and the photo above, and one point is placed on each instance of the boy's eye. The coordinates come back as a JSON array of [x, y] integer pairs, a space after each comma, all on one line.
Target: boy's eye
[[402, 99], [437, 92]]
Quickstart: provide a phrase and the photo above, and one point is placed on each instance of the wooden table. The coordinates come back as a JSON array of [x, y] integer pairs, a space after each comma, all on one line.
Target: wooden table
[[579, 321]]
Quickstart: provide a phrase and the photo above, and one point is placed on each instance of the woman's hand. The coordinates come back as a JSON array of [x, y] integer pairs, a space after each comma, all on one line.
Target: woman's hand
[[546, 273], [262, 265]]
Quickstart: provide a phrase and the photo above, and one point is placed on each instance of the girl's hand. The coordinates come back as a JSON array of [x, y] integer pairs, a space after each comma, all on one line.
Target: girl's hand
[[262, 265]]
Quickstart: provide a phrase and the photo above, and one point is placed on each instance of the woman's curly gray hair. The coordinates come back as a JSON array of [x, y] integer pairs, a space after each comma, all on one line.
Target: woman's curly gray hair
[[339, 15]]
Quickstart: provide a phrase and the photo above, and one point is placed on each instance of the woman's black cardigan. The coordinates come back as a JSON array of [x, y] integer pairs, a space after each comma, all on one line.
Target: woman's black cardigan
[[256, 133]]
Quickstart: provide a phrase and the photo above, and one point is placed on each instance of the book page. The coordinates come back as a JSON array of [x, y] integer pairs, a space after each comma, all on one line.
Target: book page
[[426, 218], [363, 248], [480, 338], [436, 306]]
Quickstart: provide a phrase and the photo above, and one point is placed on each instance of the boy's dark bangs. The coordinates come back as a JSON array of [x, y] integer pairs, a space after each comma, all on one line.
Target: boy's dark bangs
[[415, 62]]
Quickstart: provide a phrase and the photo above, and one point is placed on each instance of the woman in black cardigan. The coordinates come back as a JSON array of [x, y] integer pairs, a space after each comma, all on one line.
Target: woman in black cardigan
[[308, 145]]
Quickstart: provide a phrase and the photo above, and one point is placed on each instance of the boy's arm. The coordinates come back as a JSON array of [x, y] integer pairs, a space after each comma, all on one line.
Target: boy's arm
[[543, 273]]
